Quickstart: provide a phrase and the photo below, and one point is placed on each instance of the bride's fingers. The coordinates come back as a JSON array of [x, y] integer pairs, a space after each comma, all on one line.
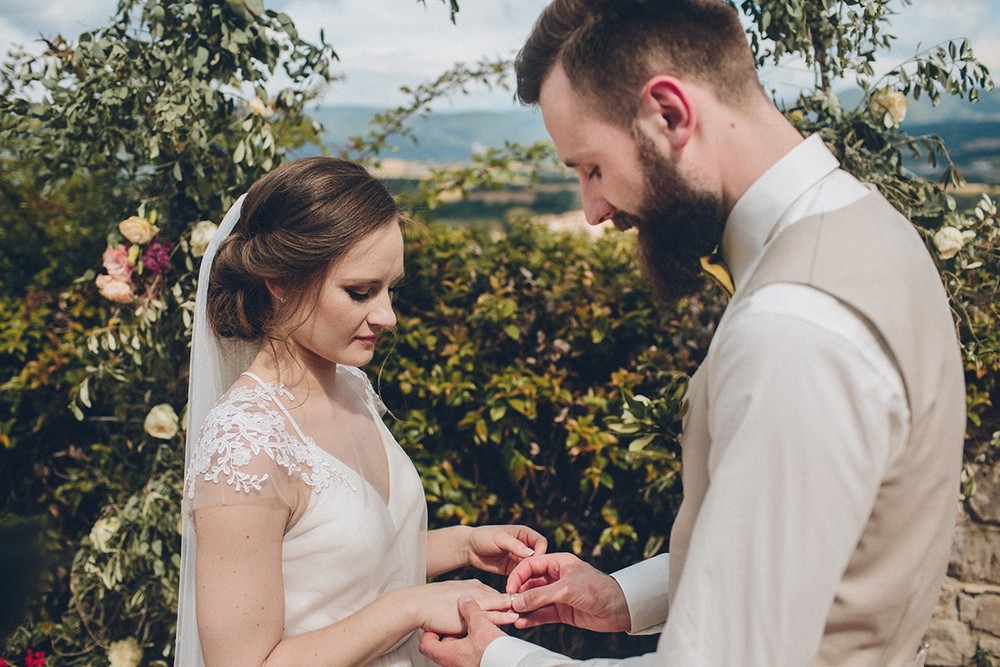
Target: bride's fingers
[[501, 617], [494, 602], [512, 545]]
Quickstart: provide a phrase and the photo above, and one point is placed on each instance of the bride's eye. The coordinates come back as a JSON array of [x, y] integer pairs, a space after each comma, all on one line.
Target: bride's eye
[[359, 295]]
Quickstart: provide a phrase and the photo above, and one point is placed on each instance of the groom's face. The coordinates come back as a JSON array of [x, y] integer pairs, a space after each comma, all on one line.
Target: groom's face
[[677, 222], [624, 177]]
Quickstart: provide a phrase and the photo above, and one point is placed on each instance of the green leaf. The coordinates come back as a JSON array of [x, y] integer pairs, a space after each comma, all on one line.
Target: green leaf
[[641, 442]]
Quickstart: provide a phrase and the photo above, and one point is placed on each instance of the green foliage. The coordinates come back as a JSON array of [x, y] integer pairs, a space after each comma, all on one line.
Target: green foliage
[[532, 378], [511, 352], [47, 242], [123, 577], [170, 97], [516, 352], [968, 250], [835, 37]]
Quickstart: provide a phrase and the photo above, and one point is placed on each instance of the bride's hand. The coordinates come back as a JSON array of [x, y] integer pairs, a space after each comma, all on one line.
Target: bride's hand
[[435, 605], [498, 549]]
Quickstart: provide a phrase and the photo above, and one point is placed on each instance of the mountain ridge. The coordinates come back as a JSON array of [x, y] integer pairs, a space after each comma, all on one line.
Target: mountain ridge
[[970, 131]]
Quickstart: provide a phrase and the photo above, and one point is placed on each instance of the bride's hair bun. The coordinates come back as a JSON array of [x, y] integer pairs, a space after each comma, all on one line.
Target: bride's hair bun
[[295, 223], [239, 303]]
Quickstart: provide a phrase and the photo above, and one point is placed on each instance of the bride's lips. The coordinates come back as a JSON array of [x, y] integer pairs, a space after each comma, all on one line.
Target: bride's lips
[[367, 340]]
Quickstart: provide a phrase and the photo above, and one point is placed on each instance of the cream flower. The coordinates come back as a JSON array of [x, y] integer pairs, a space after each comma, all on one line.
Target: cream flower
[[115, 260], [890, 105], [949, 240], [115, 290], [103, 532], [125, 653], [137, 230], [259, 108], [201, 236], [161, 422], [627, 415]]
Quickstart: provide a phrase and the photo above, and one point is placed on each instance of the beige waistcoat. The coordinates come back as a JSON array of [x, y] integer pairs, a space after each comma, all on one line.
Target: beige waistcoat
[[869, 256]]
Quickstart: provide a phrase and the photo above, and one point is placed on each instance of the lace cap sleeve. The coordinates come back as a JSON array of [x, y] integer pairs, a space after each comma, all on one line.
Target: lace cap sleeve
[[365, 386], [245, 452]]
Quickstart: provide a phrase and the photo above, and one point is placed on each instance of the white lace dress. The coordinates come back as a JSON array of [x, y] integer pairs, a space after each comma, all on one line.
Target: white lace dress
[[348, 545]]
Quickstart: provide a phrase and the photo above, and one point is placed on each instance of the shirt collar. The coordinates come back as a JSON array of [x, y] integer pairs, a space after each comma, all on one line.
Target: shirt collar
[[758, 211]]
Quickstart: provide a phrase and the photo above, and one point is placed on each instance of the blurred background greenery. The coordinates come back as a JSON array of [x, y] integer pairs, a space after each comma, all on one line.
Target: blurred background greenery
[[531, 378]]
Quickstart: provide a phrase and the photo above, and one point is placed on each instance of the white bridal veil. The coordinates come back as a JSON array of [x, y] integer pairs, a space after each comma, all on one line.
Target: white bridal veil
[[387, 552], [215, 365]]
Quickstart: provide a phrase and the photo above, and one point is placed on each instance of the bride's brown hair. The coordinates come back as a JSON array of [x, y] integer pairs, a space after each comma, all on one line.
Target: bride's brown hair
[[295, 223]]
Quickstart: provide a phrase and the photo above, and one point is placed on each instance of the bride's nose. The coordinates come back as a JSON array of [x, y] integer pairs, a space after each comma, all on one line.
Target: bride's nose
[[382, 314]]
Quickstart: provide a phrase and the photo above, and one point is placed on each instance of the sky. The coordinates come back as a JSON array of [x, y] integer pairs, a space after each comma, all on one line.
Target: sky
[[386, 44]]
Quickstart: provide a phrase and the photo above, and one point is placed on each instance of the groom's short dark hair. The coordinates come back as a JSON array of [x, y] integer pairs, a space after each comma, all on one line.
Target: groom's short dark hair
[[610, 48]]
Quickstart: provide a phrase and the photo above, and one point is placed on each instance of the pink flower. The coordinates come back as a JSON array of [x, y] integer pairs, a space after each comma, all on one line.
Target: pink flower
[[115, 290], [35, 659], [156, 257], [116, 262]]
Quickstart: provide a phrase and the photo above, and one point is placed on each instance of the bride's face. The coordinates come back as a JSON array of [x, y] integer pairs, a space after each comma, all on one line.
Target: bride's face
[[355, 302]]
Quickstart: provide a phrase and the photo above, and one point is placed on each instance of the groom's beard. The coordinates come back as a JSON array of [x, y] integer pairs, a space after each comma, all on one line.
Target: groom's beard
[[677, 226]]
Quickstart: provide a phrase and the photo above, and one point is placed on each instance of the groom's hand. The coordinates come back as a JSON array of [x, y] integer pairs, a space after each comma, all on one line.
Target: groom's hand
[[561, 588], [467, 651]]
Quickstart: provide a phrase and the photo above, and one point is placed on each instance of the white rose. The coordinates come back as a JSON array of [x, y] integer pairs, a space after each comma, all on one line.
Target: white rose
[[161, 422], [137, 230], [201, 236], [125, 653], [103, 531], [890, 105], [950, 240]]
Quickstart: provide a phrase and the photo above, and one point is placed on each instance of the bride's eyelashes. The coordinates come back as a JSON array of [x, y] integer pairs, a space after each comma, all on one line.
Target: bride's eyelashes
[[359, 295], [366, 294]]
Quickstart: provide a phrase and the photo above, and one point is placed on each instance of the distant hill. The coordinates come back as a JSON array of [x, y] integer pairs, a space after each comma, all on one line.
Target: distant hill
[[970, 131], [442, 136]]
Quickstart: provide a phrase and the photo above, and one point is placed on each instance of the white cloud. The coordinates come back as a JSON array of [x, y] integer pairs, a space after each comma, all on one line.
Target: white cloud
[[69, 18], [385, 44], [382, 50], [928, 23]]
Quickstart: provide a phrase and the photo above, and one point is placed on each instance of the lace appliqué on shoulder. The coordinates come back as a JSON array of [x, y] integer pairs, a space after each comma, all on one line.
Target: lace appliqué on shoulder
[[373, 398], [246, 424]]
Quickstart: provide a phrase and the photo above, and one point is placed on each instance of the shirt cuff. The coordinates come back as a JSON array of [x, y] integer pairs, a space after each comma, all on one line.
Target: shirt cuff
[[645, 586], [507, 651]]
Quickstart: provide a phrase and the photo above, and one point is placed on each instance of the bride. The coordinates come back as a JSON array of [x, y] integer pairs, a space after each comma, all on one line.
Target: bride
[[305, 536]]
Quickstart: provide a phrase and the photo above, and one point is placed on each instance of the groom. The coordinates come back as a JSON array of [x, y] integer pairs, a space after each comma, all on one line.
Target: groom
[[823, 438]]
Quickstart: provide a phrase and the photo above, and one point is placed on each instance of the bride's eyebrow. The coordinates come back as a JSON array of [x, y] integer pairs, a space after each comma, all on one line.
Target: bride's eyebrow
[[371, 282]]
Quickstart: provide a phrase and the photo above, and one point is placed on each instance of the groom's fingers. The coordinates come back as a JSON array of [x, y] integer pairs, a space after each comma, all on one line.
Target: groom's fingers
[[470, 610], [439, 648], [537, 582], [532, 599], [544, 566]]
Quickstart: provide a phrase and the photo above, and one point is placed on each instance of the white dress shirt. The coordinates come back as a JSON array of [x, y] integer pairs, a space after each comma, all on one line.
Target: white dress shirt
[[786, 506]]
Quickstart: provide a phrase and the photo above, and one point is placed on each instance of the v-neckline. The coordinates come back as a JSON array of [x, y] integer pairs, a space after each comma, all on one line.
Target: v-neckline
[[308, 441]]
